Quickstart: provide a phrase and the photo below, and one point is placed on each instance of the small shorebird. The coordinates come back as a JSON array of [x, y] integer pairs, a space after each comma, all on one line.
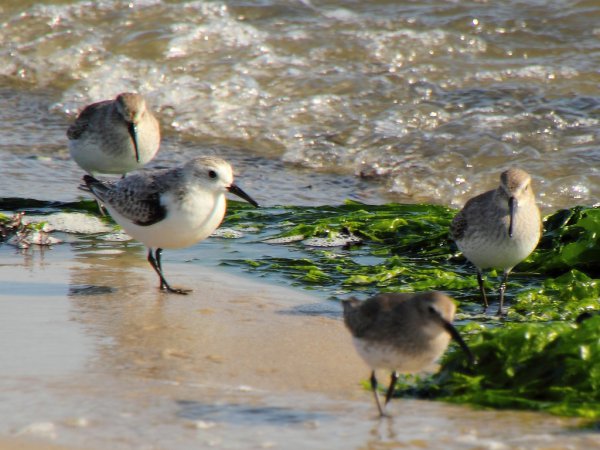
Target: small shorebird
[[499, 228], [114, 136], [403, 333], [170, 208]]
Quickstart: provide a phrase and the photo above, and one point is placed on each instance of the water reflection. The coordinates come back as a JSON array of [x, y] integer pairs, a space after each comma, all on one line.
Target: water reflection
[[248, 415]]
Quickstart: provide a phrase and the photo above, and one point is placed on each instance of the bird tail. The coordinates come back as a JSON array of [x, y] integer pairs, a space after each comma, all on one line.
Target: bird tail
[[350, 304], [93, 186]]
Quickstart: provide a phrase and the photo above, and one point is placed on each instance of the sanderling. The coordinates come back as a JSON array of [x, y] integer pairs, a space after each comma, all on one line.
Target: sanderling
[[114, 136], [404, 333], [170, 208], [499, 228]]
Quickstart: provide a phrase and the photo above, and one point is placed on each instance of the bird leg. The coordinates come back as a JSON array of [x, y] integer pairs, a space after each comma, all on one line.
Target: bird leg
[[158, 253], [390, 391], [502, 289], [374, 388], [482, 290], [156, 264]]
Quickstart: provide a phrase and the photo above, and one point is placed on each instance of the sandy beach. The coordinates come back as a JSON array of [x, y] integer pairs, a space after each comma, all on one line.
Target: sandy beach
[[94, 356]]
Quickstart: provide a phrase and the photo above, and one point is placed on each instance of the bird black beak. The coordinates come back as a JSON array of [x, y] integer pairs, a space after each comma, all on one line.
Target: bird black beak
[[234, 189], [133, 133], [512, 206], [456, 336]]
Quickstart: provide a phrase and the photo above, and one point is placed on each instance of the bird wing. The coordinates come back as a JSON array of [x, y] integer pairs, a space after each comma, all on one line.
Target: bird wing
[[136, 197], [459, 225], [470, 214], [359, 316], [80, 125]]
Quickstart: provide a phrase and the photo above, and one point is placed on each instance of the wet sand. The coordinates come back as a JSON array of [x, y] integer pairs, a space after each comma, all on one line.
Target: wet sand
[[94, 356]]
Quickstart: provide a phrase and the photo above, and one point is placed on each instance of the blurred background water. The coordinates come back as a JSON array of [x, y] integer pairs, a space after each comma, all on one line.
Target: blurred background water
[[315, 102]]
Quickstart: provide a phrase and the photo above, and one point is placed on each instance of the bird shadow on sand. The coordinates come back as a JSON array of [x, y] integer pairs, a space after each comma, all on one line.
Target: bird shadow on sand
[[84, 290], [247, 414], [331, 310]]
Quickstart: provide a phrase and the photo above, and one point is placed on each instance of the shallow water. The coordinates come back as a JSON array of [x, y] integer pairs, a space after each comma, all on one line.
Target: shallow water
[[95, 357], [376, 101]]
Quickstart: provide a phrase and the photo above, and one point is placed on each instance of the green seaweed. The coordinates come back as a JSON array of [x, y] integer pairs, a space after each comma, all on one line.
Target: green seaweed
[[554, 367], [29, 205], [399, 227], [561, 298], [405, 247], [571, 241]]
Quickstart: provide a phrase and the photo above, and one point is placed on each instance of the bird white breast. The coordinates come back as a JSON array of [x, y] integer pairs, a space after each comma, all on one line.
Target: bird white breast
[[91, 154], [114, 152], [491, 247], [148, 139], [189, 219], [382, 355]]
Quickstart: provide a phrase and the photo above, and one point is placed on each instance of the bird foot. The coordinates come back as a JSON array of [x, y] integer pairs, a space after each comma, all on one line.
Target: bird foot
[[501, 312], [170, 290]]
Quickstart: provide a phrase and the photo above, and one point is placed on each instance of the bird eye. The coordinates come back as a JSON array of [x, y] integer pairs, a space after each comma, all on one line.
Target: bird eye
[[212, 174], [432, 310]]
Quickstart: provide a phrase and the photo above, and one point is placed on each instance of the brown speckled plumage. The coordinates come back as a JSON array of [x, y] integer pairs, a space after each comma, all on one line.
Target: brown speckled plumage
[[136, 197]]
